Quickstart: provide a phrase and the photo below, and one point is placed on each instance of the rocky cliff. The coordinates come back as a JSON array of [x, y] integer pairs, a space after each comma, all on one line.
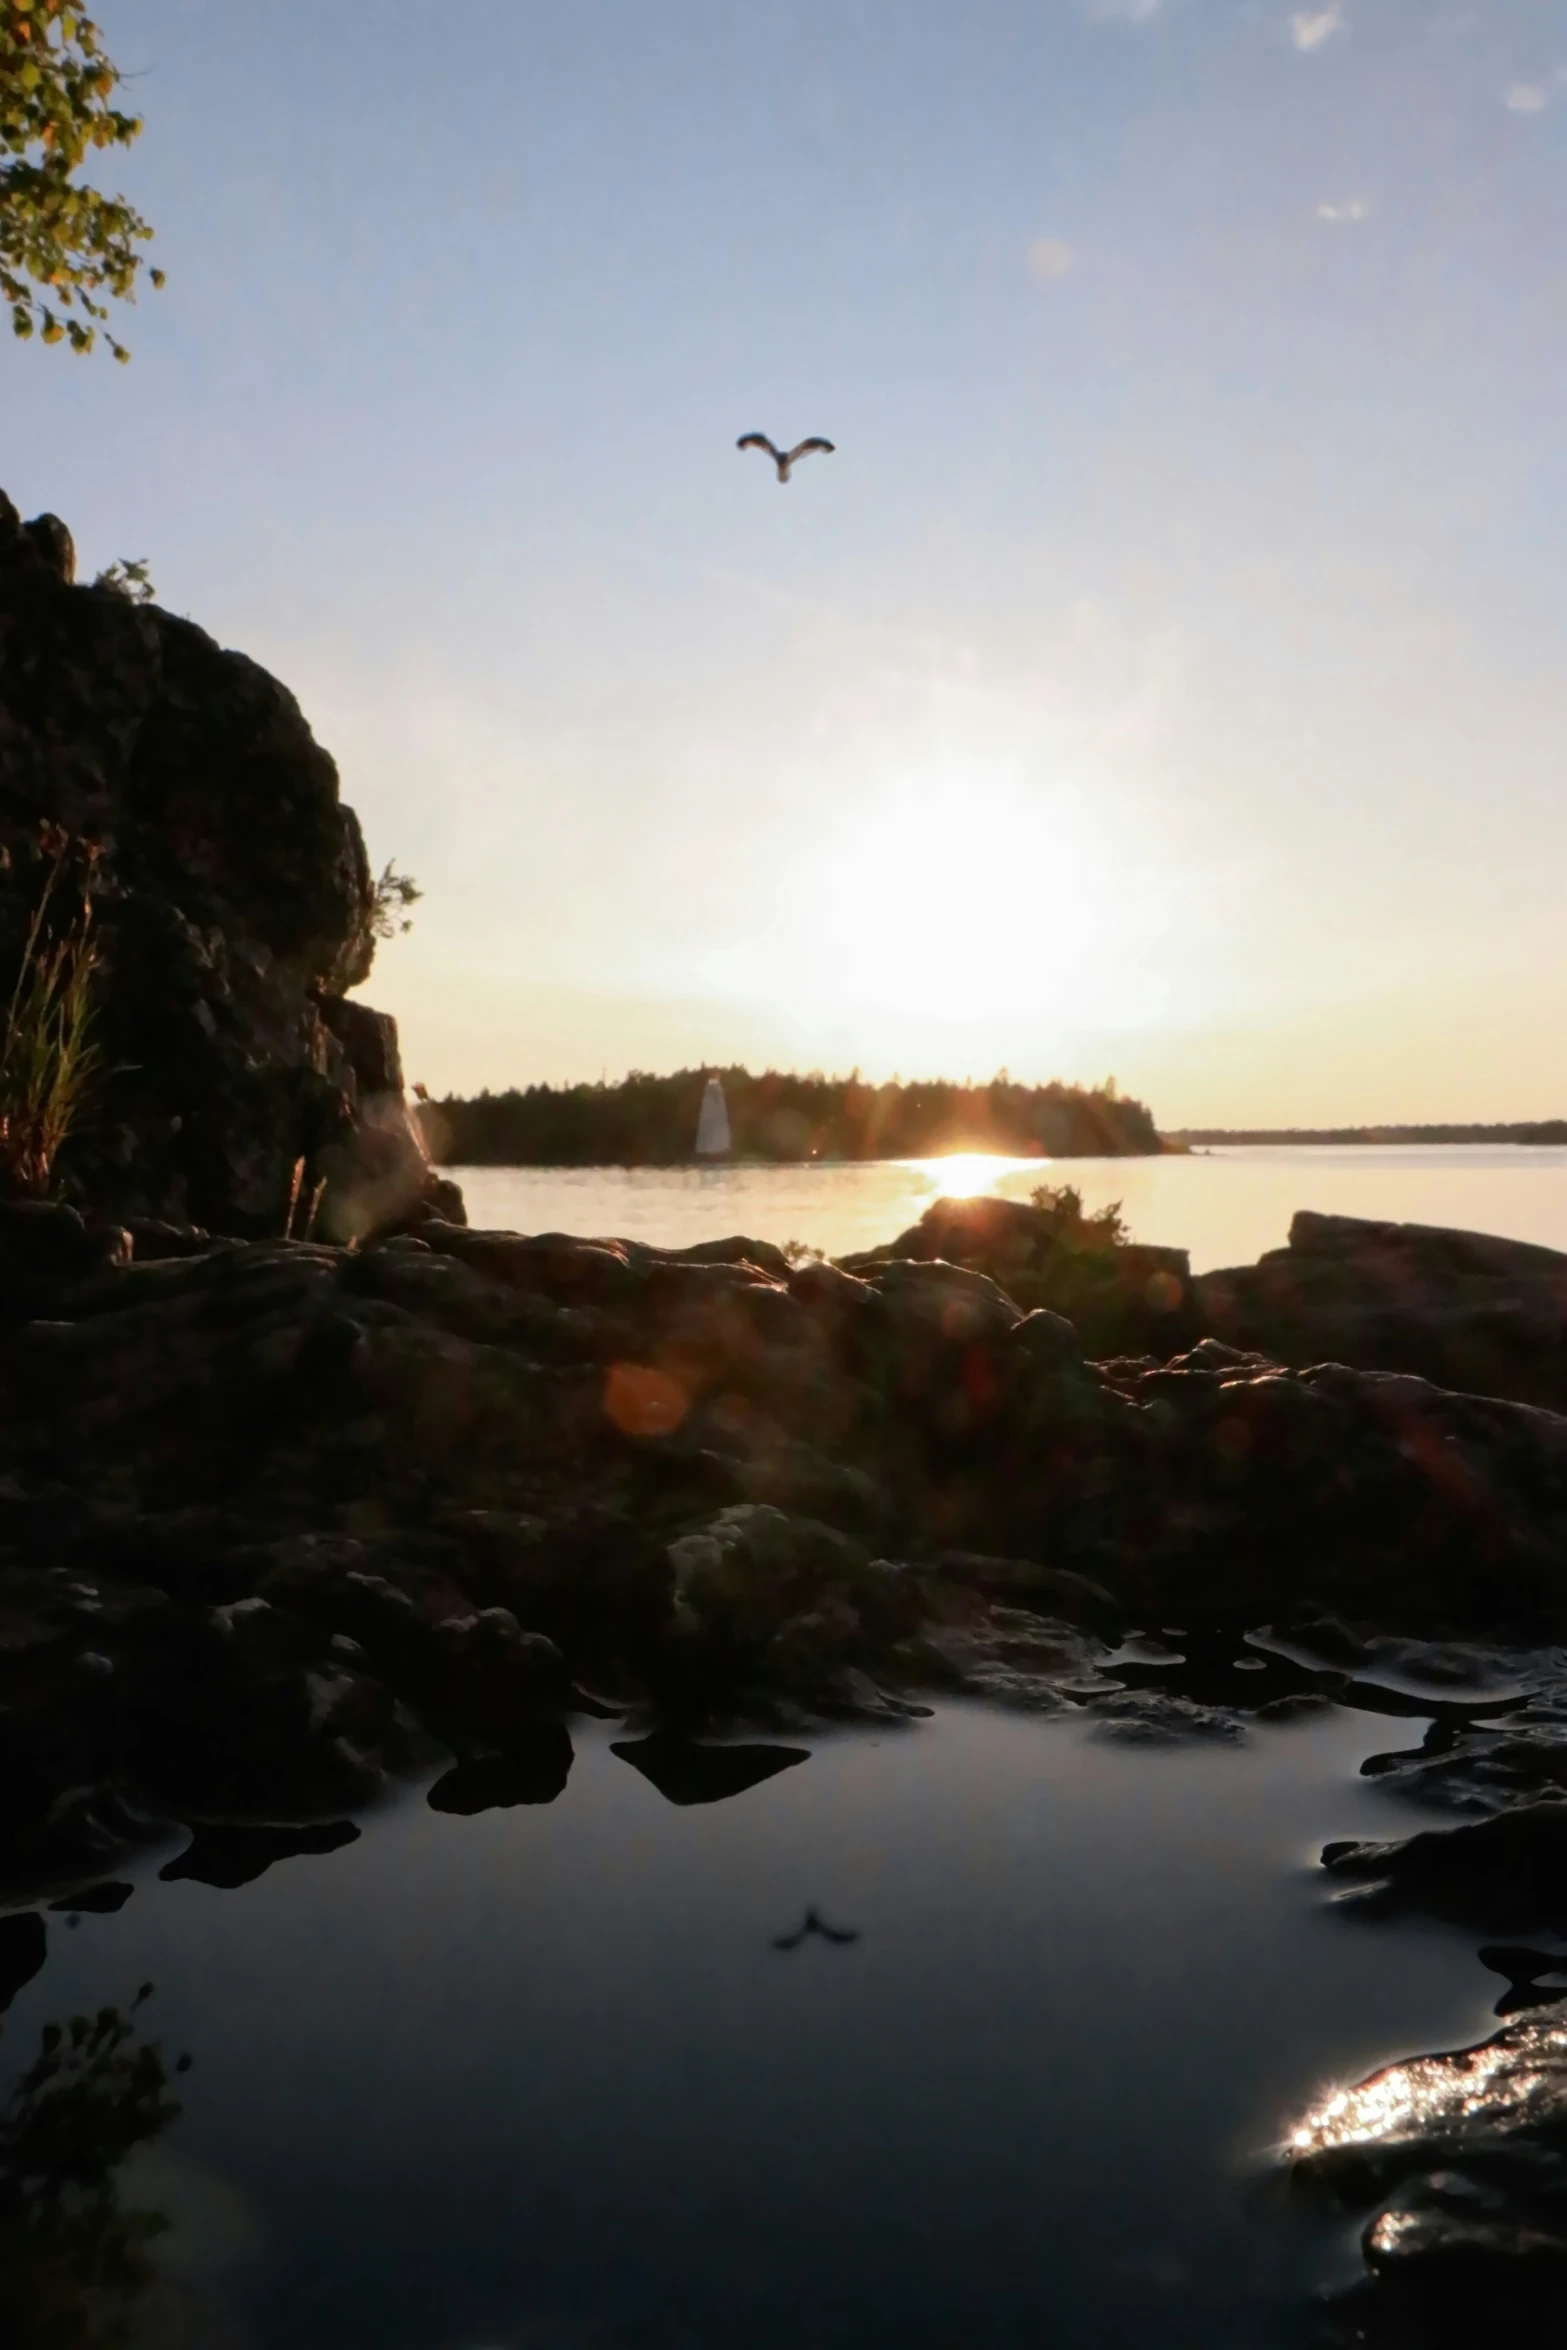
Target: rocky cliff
[[232, 905]]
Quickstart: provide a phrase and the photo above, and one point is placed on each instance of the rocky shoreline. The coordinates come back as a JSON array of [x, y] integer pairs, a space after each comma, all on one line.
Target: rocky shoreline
[[278, 1518]]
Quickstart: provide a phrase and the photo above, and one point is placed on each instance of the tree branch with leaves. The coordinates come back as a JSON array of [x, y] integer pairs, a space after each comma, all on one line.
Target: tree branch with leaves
[[393, 898], [66, 249]]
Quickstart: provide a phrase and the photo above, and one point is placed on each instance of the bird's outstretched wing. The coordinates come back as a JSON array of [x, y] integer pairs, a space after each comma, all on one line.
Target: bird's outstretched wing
[[757, 440], [805, 448], [838, 1934], [790, 1941]]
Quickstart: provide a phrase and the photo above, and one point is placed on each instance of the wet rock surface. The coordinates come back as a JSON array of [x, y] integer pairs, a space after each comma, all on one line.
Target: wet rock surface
[[1503, 1874], [1463, 2158]]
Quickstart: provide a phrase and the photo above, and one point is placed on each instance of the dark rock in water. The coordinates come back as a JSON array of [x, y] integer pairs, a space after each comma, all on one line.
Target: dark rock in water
[[486, 1672], [686, 1773], [1008, 1654], [230, 1856], [1465, 2154], [24, 1945], [1463, 1309], [752, 1571], [99, 1901], [1162, 1717], [534, 1769], [232, 907], [1479, 1768], [1052, 1591], [1500, 1874], [237, 1710]]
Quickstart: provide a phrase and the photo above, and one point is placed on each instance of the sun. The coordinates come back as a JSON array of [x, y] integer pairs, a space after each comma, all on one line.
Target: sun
[[949, 896]]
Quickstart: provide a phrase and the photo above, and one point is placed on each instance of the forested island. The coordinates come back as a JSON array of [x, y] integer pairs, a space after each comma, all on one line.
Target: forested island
[[643, 1120]]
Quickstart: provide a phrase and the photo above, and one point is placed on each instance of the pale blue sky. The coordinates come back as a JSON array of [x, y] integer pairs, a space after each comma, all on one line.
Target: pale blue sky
[[1165, 676]]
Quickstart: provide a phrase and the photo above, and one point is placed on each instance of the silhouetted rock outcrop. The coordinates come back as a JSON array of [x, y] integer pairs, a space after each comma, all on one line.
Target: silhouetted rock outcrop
[[232, 907], [1465, 1309]]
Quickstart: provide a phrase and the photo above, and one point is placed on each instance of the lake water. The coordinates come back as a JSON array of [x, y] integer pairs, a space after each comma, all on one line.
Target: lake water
[[1226, 1206], [542, 2079]]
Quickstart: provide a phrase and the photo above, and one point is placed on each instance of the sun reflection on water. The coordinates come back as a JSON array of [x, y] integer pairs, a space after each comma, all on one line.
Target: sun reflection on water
[[973, 1174]]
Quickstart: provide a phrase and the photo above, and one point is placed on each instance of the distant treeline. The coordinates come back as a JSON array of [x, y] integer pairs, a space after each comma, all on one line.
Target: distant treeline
[[1544, 1130], [651, 1121]]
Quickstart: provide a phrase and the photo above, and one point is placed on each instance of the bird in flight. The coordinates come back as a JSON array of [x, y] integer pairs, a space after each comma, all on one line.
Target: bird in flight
[[783, 458]]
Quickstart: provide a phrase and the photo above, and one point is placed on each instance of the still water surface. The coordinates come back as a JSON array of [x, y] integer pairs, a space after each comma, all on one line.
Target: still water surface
[[541, 2077], [1226, 1206]]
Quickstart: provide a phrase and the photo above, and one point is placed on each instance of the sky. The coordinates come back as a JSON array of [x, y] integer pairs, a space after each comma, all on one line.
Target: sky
[[1165, 676]]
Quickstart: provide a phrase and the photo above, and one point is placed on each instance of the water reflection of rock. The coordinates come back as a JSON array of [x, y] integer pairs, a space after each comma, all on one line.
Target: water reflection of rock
[[74, 2255], [684, 1772], [96, 1900], [534, 1769], [232, 1855], [24, 1944], [1525, 1971], [1463, 2157]]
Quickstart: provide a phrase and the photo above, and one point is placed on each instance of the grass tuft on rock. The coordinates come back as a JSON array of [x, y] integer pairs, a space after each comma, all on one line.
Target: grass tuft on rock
[[48, 1058]]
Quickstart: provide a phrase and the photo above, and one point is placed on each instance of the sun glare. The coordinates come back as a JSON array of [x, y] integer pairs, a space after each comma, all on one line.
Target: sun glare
[[946, 897], [969, 1174]]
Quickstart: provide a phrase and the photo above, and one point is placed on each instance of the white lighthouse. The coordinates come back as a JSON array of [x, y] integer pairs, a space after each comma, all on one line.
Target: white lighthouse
[[712, 1127]]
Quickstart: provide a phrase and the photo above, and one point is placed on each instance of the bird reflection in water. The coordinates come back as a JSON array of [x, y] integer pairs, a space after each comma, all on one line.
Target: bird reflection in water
[[816, 1925]]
